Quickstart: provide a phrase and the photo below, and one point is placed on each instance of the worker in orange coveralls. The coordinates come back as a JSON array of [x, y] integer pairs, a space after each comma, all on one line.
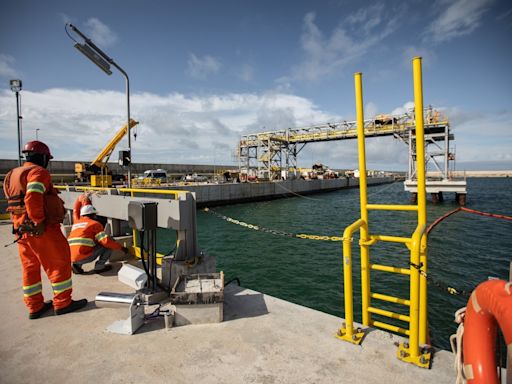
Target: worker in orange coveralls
[[36, 213], [89, 242]]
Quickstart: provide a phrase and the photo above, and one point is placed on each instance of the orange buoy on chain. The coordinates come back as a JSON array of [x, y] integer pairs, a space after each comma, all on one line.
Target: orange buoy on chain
[[489, 306]]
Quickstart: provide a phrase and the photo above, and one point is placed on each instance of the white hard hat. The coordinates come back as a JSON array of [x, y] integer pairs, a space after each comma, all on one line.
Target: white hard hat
[[87, 210]]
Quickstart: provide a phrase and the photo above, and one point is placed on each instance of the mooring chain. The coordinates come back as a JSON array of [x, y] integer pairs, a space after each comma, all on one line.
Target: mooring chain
[[273, 231], [441, 286]]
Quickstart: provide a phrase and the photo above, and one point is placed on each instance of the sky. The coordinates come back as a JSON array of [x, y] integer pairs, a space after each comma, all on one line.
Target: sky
[[203, 73]]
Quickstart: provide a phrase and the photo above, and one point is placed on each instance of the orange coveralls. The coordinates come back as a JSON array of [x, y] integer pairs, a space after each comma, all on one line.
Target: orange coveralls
[[84, 236], [49, 250]]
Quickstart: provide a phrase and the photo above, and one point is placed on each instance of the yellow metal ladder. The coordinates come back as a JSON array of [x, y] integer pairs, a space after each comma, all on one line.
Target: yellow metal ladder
[[417, 245]]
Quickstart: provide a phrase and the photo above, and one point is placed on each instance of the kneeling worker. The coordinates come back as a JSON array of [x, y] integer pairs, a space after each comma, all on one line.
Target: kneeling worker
[[89, 242]]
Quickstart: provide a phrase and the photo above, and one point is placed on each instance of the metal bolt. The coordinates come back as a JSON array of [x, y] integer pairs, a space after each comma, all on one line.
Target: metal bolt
[[354, 337], [423, 360], [403, 354], [406, 345]]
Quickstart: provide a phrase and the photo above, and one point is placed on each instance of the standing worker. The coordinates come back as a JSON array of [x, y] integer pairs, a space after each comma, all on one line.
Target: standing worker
[[36, 213], [89, 242]]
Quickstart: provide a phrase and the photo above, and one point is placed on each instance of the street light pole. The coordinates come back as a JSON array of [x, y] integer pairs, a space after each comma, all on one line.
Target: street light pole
[[19, 126], [96, 55], [37, 133], [16, 88]]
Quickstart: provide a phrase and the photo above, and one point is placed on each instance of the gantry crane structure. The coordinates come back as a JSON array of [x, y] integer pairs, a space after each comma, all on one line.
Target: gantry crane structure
[[270, 155]]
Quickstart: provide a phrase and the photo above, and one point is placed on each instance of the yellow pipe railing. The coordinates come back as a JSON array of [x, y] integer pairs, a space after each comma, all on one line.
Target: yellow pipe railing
[[386, 207], [390, 314], [386, 268], [391, 239], [365, 249], [390, 299], [389, 327], [416, 244], [348, 332]]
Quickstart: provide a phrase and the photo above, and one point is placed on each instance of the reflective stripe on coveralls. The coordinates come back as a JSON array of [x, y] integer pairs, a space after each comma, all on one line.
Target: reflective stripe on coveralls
[[81, 241], [33, 289], [35, 186], [62, 286], [100, 236]]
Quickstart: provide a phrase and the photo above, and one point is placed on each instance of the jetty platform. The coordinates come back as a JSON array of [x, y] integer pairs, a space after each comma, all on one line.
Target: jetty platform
[[261, 340]]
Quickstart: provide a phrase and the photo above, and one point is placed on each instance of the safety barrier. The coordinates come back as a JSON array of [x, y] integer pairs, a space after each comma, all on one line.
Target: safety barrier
[[416, 319], [132, 192]]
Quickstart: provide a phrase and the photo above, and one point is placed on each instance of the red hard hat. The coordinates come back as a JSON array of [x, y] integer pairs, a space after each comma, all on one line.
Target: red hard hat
[[37, 147]]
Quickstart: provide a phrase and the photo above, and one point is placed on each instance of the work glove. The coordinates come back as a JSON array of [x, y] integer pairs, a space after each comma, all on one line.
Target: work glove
[[38, 229]]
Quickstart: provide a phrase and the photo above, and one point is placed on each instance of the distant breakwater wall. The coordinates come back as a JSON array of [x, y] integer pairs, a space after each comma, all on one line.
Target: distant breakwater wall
[[68, 167], [232, 193]]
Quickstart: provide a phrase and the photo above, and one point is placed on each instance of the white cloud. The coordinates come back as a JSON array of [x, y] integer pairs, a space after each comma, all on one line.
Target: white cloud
[[6, 66], [174, 128], [100, 33], [354, 37], [202, 67], [178, 128], [65, 18], [246, 73], [428, 56], [458, 18]]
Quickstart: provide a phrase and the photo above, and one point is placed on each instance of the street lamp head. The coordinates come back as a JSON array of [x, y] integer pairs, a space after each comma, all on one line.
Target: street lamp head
[[15, 85], [88, 52]]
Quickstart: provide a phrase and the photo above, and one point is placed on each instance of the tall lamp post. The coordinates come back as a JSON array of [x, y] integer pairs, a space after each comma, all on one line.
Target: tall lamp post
[[103, 61], [16, 88]]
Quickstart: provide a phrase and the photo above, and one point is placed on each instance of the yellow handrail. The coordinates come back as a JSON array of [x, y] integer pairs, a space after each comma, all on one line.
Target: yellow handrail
[[347, 332], [416, 244]]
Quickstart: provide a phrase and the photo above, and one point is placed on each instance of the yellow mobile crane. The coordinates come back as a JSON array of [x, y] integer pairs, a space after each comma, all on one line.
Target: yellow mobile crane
[[100, 175]]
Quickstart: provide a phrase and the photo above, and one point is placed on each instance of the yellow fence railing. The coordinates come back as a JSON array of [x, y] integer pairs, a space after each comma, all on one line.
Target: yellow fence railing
[[416, 318]]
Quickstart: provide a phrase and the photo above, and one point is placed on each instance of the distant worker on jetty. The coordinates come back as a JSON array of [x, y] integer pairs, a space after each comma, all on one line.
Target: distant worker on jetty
[[36, 213], [89, 242]]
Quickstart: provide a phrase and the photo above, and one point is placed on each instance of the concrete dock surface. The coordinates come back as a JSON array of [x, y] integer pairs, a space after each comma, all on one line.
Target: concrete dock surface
[[262, 340]]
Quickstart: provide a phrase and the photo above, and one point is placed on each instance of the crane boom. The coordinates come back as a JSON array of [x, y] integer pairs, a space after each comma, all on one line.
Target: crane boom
[[104, 155], [100, 176]]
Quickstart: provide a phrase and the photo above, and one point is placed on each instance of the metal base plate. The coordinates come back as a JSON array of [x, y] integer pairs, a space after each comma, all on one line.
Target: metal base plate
[[356, 337], [423, 360]]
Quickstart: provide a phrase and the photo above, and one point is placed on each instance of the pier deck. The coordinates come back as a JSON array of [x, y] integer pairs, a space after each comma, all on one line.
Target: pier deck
[[262, 340]]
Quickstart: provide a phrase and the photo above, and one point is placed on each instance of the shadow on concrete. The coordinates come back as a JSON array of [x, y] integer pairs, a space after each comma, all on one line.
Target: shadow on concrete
[[240, 303]]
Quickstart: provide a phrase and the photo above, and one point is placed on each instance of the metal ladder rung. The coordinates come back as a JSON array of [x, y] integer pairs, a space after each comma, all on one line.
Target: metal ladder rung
[[391, 299], [390, 314], [392, 207], [390, 239], [387, 268], [390, 327]]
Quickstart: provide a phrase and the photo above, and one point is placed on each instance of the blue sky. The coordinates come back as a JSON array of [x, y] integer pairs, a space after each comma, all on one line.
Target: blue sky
[[205, 72]]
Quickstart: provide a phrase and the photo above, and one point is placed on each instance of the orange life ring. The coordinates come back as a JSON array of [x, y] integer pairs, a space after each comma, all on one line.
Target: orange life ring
[[490, 305]]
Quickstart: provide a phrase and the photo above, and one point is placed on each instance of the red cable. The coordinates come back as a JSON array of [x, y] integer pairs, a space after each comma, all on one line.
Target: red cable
[[438, 220], [486, 214]]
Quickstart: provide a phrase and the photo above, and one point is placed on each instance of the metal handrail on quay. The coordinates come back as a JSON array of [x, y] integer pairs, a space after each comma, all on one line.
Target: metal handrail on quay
[[417, 245]]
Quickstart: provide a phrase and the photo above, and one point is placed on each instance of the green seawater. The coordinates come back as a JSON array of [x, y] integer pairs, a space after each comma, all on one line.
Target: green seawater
[[463, 250]]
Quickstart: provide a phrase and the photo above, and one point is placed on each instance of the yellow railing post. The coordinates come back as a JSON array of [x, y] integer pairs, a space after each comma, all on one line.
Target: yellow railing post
[[418, 309], [422, 193], [365, 251], [347, 331]]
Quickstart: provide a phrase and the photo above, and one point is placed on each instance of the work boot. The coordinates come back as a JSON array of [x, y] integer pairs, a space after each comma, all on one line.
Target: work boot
[[77, 269], [105, 268], [74, 306], [36, 315]]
